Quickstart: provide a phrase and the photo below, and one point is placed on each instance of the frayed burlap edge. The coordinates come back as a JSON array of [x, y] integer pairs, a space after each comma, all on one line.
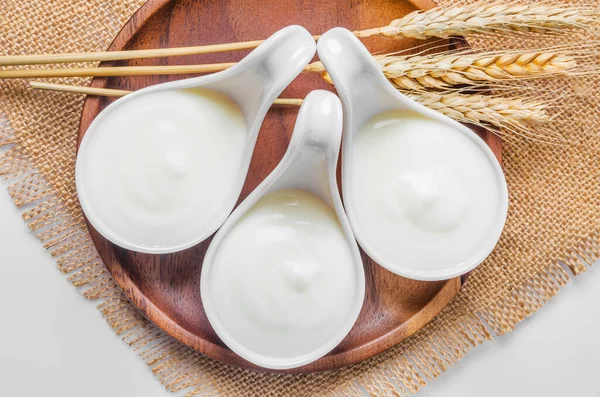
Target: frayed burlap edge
[[177, 367]]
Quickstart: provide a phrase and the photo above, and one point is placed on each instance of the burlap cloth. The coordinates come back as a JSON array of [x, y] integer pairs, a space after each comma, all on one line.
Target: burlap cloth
[[552, 232]]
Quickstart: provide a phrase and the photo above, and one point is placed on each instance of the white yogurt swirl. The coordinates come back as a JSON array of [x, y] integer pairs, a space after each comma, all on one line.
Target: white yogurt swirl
[[283, 279], [158, 168], [423, 194]]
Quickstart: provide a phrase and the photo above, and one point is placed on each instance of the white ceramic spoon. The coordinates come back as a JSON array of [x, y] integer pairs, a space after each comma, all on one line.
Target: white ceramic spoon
[[253, 84], [309, 163], [365, 92]]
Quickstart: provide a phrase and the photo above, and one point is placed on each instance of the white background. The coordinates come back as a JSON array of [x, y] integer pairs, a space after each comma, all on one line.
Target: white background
[[55, 343]]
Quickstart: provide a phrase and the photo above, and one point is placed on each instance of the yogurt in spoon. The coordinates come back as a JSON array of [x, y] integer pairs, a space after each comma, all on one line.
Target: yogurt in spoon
[[160, 170], [426, 197], [422, 191], [284, 274], [162, 165], [283, 282]]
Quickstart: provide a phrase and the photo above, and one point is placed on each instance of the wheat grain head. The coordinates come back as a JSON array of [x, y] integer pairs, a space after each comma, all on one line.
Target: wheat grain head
[[483, 17]]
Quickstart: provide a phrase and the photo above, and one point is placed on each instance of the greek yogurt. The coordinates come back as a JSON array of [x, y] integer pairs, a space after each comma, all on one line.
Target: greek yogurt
[[283, 281], [424, 194], [158, 168]]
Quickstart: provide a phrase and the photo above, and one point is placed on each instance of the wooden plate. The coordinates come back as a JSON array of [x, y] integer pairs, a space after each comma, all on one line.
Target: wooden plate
[[165, 288]]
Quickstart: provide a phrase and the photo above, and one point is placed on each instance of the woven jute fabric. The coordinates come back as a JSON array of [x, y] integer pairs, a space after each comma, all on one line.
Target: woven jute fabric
[[552, 232]]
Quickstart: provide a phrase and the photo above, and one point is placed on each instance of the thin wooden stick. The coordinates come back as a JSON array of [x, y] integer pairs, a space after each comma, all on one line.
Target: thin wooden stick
[[75, 89], [12, 60], [114, 71], [119, 93], [101, 56]]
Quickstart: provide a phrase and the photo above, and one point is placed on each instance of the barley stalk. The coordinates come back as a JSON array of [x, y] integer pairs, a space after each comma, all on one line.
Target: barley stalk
[[503, 113], [418, 72], [486, 18], [441, 71], [475, 108], [508, 118]]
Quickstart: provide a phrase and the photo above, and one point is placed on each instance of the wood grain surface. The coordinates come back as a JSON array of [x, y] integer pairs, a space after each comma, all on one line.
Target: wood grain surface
[[165, 288]]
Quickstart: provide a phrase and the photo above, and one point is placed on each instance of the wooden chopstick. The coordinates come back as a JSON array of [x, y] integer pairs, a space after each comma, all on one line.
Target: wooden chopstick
[[76, 89], [125, 71], [119, 93], [114, 71], [38, 59]]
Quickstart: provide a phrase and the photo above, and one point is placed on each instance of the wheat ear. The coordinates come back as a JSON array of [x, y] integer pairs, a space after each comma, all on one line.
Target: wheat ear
[[483, 17], [514, 114], [499, 114], [418, 72], [500, 111]]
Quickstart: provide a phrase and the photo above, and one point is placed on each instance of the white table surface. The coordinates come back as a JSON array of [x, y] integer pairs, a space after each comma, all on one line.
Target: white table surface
[[55, 343]]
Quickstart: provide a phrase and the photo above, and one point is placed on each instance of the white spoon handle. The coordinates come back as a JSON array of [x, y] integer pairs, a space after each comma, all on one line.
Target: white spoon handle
[[256, 81], [357, 78], [311, 159], [319, 122]]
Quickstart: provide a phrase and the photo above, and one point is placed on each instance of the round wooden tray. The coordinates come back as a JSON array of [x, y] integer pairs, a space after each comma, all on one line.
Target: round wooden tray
[[165, 288]]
